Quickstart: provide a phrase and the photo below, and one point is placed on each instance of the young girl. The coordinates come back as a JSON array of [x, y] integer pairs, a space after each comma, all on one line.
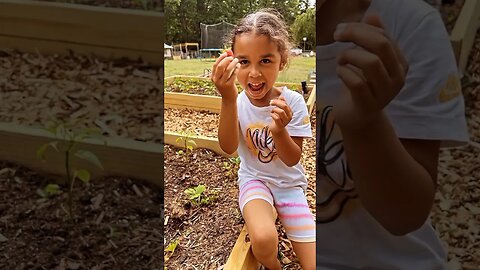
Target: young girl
[[267, 124], [389, 97]]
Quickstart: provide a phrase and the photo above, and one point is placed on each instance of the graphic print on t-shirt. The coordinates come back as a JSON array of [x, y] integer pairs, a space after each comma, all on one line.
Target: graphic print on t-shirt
[[334, 181], [260, 142]]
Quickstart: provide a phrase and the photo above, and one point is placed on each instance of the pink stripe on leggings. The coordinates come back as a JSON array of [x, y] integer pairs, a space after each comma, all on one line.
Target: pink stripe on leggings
[[254, 187], [289, 204], [288, 216]]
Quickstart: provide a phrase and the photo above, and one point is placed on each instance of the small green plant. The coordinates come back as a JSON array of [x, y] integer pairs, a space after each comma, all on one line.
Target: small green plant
[[49, 190], [188, 144], [170, 249], [199, 195], [67, 143], [231, 166]]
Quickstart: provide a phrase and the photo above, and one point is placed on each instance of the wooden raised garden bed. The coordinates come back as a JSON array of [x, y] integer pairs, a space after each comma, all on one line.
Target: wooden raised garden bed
[[212, 103], [462, 36], [57, 28], [49, 28]]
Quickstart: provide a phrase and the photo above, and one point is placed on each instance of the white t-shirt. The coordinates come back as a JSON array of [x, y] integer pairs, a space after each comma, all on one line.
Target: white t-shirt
[[429, 106], [256, 147]]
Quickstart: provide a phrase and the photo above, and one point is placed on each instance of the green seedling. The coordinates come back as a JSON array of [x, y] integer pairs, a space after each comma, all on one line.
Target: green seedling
[[231, 166], [49, 190], [67, 143], [170, 249], [188, 144], [199, 195]]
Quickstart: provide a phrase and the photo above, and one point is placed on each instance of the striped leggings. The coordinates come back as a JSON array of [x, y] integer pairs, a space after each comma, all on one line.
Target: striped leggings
[[290, 203]]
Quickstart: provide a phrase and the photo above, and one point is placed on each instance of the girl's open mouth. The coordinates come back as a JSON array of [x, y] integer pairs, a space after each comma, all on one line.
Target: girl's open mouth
[[255, 88]]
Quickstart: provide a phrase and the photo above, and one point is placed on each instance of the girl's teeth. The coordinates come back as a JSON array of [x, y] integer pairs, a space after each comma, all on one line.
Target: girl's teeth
[[256, 85]]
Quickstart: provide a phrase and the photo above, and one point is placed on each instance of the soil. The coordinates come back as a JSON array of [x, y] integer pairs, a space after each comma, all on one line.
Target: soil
[[202, 248], [118, 224]]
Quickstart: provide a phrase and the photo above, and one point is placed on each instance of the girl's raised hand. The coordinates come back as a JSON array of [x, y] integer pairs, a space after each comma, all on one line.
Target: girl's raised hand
[[281, 115], [224, 73], [372, 74]]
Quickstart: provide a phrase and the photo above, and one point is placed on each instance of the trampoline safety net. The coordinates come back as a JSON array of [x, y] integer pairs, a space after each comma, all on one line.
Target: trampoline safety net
[[212, 35]]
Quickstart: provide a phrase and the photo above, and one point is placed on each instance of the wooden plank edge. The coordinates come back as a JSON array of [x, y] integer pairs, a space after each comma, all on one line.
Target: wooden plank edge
[[311, 100], [59, 5], [120, 156], [464, 31], [197, 102], [241, 257], [201, 141]]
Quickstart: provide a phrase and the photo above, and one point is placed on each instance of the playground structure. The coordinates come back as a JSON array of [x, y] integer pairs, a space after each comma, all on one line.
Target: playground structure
[[108, 33], [188, 50]]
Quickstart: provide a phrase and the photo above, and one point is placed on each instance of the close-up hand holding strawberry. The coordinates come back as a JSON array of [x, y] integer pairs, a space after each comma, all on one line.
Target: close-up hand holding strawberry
[[224, 74]]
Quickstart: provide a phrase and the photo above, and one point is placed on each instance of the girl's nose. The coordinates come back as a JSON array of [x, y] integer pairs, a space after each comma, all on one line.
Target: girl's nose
[[254, 72]]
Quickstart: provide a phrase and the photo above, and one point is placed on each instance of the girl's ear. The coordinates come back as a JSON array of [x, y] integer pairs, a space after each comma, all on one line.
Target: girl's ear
[[282, 65]]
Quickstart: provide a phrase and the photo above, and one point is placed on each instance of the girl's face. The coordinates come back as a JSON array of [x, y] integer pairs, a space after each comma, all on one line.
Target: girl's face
[[260, 63]]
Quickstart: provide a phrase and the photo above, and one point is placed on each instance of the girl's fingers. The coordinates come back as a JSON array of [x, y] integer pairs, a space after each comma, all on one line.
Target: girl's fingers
[[219, 59], [276, 118], [371, 69], [226, 75], [402, 61], [282, 105], [375, 21], [219, 66], [235, 73], [282, 115], [358, 88], [372, 37]]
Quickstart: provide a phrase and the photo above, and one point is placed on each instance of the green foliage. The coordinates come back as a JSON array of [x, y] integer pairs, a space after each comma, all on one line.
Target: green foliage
[[232, 166], [183, 17], [67, 143], [169, 250], [49, 190], [188, 144], [199, 195], [304, 26], [194, 86]]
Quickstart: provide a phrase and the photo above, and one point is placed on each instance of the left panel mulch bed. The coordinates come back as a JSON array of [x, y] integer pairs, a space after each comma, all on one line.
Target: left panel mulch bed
[[118, 226]]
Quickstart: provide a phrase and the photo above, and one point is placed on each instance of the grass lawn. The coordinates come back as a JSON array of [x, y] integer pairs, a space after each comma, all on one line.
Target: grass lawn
[[297, 71]]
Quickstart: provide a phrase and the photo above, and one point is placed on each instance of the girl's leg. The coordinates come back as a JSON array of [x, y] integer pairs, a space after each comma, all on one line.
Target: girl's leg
[[298, 222], [305, 253], [256, 204], [258, 215]]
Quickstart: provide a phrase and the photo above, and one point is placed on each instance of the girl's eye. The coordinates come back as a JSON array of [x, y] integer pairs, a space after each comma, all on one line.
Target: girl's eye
[[266, 61], [243, 62]]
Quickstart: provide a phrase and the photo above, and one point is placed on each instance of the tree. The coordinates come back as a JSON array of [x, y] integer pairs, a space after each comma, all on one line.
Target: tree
[[183, 17], [304, 26]]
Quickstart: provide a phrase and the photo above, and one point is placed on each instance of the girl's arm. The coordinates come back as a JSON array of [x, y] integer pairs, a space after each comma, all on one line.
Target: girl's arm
[[394, 178], [225, 84], [289, 149], [228, 128]]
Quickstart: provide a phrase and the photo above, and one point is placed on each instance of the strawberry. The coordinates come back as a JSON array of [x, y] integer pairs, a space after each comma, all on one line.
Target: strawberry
[[229, 52]]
